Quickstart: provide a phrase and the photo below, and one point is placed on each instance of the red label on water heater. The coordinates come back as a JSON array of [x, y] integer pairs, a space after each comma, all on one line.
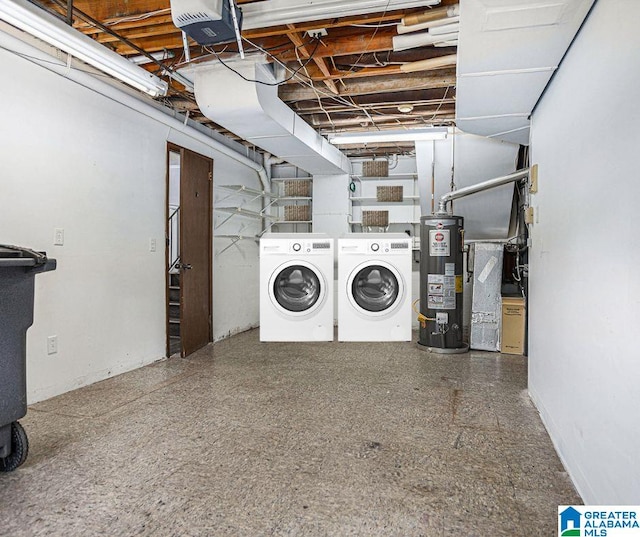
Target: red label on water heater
[[439, 243]]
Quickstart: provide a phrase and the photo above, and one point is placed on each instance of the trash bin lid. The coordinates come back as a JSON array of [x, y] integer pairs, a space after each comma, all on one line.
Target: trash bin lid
[[16, 256]]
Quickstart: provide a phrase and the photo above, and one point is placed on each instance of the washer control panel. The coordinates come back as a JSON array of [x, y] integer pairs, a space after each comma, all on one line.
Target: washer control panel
[[315, 246]]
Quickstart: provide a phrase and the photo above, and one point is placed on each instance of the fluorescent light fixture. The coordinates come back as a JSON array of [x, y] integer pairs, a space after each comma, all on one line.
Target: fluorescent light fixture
[[370, 137], [35, 21]]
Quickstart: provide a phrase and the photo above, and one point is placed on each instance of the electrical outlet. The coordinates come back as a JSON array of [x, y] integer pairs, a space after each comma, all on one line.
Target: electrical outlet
[[317, 33], [58, 236], [52, 344], [152, 245]]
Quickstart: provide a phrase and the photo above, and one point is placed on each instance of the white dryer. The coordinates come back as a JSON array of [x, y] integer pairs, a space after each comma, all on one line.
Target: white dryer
[[374, 287], [296, 287]]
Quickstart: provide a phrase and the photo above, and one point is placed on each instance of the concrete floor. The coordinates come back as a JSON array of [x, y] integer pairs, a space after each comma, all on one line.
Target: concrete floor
[[247, 438]]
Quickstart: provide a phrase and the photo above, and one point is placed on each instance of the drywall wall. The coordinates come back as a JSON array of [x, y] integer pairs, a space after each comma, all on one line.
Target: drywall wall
[[470, 159], [584, 306], [75, 159], [331, 204]]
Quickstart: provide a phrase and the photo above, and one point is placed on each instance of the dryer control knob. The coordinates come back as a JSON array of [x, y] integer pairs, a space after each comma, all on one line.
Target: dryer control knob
[[375, 246], [296, 246]]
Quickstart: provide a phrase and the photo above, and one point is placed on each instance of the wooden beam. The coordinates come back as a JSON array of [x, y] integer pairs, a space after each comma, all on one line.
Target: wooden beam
[[404, 82], [139, 32], [413, 67], [297, 40], [367, 41], [321, 121], [152, 44], [154, 20], [305, 108], [164, 16], [318, 75], [114, 9], [341, 46]]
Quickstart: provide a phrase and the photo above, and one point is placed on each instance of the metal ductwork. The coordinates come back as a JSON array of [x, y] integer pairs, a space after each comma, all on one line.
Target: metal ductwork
[[508, 52], [245, 101]]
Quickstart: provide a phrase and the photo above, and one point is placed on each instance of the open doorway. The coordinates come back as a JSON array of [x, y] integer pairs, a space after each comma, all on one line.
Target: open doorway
[[188, 250]]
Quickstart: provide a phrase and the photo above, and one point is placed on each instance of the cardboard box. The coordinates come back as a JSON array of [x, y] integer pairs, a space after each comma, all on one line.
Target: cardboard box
[[512, 335]]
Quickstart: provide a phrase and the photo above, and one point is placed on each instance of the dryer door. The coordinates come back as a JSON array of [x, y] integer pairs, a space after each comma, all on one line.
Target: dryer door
[[297, 288], [375, 288]]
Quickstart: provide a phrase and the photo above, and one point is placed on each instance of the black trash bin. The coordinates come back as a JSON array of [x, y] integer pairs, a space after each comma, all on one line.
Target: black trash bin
[[18, 267]]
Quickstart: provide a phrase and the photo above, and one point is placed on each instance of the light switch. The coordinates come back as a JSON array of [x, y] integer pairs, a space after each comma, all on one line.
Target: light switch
[[52, 344], [58, 236]]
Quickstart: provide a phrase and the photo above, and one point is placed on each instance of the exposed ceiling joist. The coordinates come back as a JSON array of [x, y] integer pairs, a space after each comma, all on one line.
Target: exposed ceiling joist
[[411, 81], [306, 53], [357, 76]]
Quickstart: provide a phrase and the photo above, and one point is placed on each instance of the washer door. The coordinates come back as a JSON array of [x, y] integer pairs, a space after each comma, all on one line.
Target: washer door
[[375, 288], [297, 288]]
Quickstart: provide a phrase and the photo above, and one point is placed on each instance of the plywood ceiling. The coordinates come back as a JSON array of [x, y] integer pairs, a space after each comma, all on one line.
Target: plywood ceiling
[[352, 82]]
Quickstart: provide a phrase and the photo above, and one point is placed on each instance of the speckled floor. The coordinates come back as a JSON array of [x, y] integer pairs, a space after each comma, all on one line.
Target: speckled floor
[[247, 439]]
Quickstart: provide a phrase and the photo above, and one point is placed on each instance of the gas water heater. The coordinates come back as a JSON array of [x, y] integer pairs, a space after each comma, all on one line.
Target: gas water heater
[[441, 273]]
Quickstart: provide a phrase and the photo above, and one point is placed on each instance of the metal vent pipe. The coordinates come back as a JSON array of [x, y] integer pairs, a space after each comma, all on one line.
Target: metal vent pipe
[[479, 187]]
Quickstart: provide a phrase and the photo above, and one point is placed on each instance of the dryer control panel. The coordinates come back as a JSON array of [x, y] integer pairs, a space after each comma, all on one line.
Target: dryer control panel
[[382, 246]]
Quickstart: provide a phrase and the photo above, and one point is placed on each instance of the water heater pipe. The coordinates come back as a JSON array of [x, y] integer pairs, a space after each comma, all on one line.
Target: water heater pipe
[[480, 187]]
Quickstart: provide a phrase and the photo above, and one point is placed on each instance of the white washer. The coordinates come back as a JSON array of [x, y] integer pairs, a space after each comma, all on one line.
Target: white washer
[[296, 287], [374, 287]]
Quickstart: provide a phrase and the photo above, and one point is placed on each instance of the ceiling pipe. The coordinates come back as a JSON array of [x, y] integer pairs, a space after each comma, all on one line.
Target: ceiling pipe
[[429, 64], [480, 187], [431, 15], [446, 29], [282, 12], [408, 41], [402, 29], [452, 43]]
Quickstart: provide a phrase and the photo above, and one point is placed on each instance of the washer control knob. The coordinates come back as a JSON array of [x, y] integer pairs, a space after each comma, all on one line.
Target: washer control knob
[[375, 246], [296, 247]]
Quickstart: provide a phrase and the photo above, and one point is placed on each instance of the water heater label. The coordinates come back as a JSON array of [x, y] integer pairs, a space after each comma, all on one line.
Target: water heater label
[[439, 243], [441, 292]]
